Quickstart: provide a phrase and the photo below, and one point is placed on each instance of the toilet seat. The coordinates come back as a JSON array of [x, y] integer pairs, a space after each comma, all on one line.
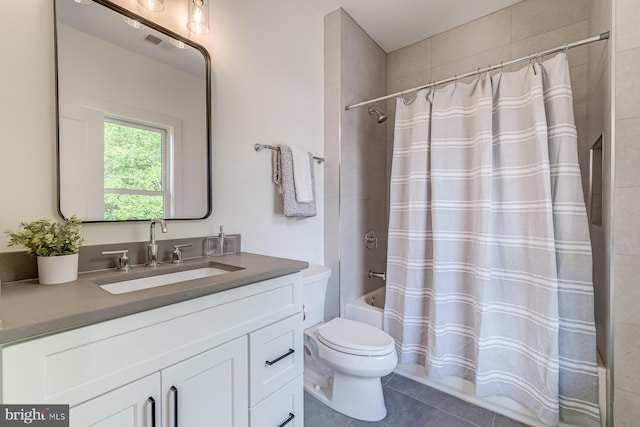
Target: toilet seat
[[357, 338]]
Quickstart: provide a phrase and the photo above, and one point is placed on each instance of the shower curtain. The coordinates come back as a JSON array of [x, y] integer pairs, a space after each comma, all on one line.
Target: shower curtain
[[489, 260]]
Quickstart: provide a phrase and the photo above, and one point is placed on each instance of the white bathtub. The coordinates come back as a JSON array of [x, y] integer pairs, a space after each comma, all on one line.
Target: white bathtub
[[369, 309]]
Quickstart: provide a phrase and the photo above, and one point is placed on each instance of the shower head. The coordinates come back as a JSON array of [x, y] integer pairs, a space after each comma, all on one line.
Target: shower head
[[381, 116]]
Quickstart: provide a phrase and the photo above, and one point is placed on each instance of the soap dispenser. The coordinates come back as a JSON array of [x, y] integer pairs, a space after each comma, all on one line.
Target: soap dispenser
[[221, 244]]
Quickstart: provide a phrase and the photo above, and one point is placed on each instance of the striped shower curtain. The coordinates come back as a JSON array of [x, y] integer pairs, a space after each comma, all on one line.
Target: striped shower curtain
[[489, 260]]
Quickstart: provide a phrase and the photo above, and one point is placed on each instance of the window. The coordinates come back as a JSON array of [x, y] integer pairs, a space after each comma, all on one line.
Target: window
[[135, 170]]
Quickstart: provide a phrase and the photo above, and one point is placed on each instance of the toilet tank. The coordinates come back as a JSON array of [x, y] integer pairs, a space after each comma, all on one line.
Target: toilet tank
[[314, 281]]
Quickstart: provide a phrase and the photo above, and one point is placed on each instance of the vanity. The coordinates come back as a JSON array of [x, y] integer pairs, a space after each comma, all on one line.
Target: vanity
[[224, 350]]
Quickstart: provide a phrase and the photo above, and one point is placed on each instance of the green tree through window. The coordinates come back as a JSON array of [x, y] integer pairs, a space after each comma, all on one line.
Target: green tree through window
[[133, 171]]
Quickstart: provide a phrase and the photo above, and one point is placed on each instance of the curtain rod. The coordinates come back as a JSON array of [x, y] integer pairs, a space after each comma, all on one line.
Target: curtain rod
[[603, 36]]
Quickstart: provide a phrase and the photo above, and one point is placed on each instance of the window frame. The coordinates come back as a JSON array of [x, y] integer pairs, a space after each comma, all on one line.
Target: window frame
[[167, 186]]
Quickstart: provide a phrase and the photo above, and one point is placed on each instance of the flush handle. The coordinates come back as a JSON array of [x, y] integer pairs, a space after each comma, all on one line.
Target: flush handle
[[289, 353]]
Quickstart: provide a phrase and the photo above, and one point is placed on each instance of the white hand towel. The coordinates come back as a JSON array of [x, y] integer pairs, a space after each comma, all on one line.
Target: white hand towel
[[302, 175]]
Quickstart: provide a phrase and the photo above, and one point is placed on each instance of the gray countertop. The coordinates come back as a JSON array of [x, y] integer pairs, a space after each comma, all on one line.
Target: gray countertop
[[28, 309]]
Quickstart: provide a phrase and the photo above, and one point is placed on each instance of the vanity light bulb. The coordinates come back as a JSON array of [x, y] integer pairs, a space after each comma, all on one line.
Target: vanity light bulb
[[177, 43], [153, 5], [132, 22], [198, 16]]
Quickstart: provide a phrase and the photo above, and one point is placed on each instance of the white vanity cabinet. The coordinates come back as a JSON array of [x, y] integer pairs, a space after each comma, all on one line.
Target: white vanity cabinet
[[133, 405], [208, 389], [206, 361]]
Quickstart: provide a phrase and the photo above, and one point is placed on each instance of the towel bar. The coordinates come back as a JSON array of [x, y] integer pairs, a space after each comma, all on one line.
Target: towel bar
[[259, 147]]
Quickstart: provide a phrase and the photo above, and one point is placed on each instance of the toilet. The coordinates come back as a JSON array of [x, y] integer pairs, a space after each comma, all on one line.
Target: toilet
[[344, 360]]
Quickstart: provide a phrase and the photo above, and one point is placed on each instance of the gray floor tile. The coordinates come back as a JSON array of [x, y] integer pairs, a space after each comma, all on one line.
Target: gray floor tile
[[502, 421], [404, 411], [452, 405], [386, 378], [358, 423], [410, 404], [317, 414], [448, 420]]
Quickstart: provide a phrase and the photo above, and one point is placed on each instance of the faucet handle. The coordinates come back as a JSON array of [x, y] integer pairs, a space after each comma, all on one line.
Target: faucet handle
[[176, 256], [123, 261]]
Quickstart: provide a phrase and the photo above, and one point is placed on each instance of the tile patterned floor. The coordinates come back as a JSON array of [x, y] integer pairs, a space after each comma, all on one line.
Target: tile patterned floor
[[410, 404]]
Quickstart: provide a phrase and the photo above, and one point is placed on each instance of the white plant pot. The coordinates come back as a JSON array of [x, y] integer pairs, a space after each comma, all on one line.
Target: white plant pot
[[53, 270]]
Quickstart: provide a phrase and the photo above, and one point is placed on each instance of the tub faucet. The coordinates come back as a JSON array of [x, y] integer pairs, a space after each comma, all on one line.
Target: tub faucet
[[152, 247]]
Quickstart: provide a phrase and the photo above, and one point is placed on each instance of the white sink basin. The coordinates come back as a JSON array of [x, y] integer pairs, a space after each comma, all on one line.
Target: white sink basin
[[161, 280]]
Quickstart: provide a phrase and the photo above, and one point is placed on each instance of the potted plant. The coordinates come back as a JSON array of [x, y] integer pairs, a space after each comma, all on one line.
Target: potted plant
[[56, 246]]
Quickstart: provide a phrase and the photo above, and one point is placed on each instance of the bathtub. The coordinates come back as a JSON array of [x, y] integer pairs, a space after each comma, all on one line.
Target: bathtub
[[369, 309]]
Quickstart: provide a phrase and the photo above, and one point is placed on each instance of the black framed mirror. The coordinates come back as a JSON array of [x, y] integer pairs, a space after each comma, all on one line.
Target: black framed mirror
[[133, 117]]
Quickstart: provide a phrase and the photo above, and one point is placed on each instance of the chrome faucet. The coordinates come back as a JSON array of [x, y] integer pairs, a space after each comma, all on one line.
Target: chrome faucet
[[152, 247]]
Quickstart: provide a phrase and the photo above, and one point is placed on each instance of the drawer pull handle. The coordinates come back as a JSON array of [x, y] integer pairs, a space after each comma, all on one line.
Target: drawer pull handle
[[289, 353], [291, 416], [152, 405], [174, 391]]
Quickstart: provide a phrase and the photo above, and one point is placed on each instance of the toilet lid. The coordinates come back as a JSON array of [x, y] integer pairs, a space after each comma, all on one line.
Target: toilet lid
[[353, 337]]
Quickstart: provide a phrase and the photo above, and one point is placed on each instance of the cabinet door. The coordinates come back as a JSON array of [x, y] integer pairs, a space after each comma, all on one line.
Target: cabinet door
[[136, 405], [285, 407], [276, 356], [210, 389]]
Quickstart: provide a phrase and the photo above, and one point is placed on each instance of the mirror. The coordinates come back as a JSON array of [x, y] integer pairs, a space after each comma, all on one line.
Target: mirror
[[133, 117]]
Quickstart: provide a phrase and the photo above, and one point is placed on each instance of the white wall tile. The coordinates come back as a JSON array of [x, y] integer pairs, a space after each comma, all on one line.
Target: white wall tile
[[470, 63], [554, 38], [482, 35], [626, 411], [533, 17], [627, 293], [627, 28], [628, 152], [413, 59], [627, 232], [627, 84]]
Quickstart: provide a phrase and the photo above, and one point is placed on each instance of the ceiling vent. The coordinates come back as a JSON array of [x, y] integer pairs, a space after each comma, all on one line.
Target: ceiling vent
[[153, 39]]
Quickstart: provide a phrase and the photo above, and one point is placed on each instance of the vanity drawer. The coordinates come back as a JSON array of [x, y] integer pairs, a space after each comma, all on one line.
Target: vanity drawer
[[276, 356], [74, 366], [286, 404]]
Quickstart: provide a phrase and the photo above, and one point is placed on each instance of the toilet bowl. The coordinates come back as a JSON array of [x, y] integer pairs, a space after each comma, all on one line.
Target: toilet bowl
[[344, 359]]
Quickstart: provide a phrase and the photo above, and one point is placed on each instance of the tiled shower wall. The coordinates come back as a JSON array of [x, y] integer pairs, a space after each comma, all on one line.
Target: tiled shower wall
[[626, 239], [355, 182]]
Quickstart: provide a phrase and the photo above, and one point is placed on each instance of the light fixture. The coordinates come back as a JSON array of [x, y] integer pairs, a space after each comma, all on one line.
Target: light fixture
[[177, 43], [153, 5], [198, 20], [132, 22]]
